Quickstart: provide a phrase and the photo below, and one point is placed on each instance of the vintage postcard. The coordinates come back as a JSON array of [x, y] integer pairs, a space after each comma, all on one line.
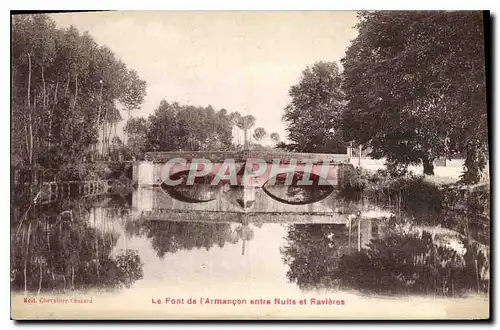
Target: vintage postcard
[[250, 165]]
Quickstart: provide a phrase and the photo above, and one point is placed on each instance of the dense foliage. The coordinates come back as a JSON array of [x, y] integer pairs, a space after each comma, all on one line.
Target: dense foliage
[[416, 89], [312, 117], [412, 90], [66, 94], [175, 127], [66, 90]]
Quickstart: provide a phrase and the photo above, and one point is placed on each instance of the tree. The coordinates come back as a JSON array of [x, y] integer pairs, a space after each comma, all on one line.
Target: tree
[[176, 127], [259, 133], [283, 146], [64, 90], [135, 91], [275, 138], [224, 126], [161, 134], [235, 118], [415, 85], [311, 117], [134, 96], [245, 123], [136, 130]]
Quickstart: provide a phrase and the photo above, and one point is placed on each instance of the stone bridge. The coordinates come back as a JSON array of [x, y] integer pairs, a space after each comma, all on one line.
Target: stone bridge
[[327, 166], [241, 200]]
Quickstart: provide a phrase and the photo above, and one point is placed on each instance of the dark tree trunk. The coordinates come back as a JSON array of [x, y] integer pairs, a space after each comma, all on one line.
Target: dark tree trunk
[[76, 91], [30, 150], [428, 166]]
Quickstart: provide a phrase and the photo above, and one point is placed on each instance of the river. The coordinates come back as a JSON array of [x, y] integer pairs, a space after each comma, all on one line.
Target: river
[[377, 261]]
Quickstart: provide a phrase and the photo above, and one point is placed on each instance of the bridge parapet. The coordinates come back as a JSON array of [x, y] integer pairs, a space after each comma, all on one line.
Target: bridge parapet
[[243, 156]]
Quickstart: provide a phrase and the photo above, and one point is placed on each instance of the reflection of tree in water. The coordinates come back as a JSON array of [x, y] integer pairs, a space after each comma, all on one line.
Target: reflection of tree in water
[[409, 263], [64, 252], [397, 263], [460, 208], [463, 209], [245, 234], [129, 267], [312, 252], [171, 236]]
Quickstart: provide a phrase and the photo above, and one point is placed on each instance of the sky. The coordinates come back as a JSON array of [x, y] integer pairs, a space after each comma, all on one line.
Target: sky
[[241, 60]]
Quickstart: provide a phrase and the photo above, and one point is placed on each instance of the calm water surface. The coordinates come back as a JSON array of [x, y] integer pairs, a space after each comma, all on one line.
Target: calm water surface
[[108, 244]]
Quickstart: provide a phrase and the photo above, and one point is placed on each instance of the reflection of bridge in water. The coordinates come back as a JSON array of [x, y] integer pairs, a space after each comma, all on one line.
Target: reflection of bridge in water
[[254, 201], [155, 204]]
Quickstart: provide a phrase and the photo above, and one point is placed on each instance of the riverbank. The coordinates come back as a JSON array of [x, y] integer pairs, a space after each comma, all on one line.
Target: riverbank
[[448, 172]]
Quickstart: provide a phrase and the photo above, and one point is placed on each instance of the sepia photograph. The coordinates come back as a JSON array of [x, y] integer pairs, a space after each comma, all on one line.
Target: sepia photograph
[[250, 165]]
